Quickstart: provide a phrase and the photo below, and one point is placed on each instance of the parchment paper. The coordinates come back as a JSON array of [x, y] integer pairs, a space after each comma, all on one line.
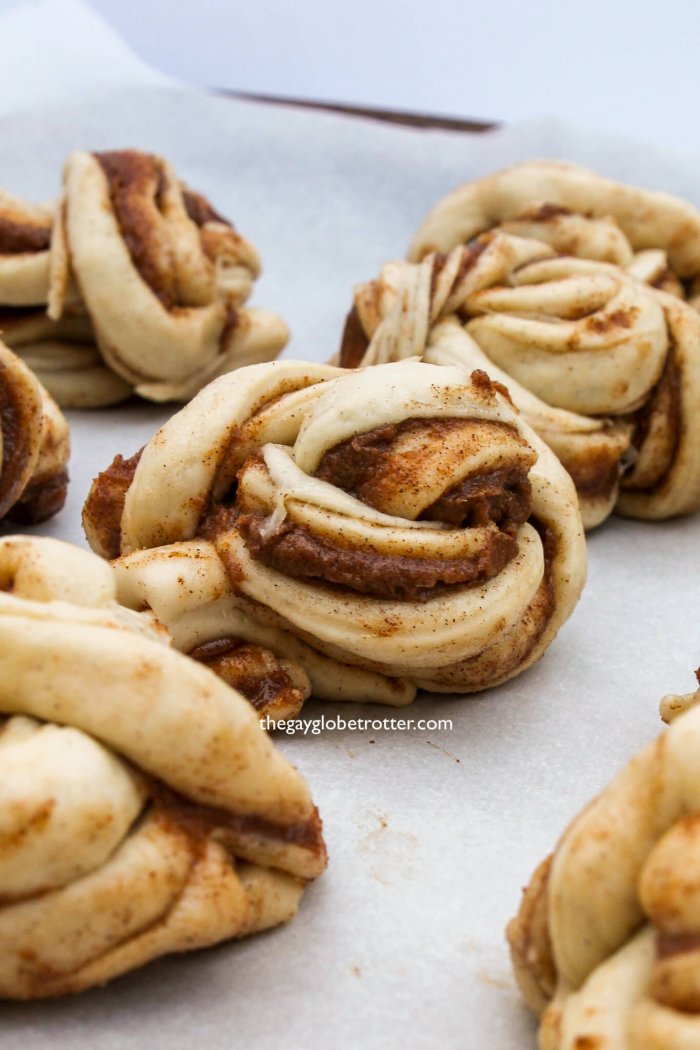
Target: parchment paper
[[431, 835]]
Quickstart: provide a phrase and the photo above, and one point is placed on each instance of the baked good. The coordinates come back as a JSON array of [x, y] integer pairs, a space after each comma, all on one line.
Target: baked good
[[606, 944], [155, 817], [403, 521], [605, 367], [34, 445], [144, 288]]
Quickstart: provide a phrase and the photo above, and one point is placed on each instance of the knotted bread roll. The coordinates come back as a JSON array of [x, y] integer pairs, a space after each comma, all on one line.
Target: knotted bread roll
[[34, 445], [25, 239], [145, 816], [401, 521], [604, 367], [579, 213], [606, 946], [143, 288]]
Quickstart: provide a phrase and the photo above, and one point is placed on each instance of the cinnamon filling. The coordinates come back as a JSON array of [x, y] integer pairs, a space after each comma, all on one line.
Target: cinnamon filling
[[199, 209], [671, 983], [252, 670], [603, 324], [354, 342], [365, 467], [218, 518], [199, 820], [104, 506], [18, 237], [297, 552], [501, 497], [360, 466], [370, 467], [596, 473], [669, 281], [230, 325], [668, 944], [665, 403], [546, 212], [40, 500], [15, 450], [136, 183], [474, 249]]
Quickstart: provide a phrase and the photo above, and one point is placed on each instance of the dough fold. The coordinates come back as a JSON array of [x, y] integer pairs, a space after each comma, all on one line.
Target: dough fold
[[606, 945], [388, 529], [579, 294], [136, 285], [143, 810], [34, 445]]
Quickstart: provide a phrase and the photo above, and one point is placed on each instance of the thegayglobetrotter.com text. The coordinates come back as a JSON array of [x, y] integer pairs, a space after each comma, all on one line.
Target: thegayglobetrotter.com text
[[337, 722]]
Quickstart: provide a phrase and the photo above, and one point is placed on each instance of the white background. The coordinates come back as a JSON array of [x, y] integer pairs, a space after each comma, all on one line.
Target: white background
[[630, 65]]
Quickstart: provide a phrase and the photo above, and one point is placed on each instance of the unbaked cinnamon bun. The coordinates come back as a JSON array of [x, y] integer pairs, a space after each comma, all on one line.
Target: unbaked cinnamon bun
[[402, 522], [606, 945], [137, 285], [155, 817]]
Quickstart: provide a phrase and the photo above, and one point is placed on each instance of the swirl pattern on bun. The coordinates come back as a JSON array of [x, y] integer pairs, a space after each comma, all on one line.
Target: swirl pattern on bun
[[577, 212], [403, 521], [604, 367], [135, 285]]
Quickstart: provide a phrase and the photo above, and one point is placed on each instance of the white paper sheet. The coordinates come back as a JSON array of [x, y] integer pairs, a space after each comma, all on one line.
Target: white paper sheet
[[430, 834]]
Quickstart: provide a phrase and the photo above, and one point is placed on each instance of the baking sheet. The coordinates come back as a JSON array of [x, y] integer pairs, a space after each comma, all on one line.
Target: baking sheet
[[430, 834]]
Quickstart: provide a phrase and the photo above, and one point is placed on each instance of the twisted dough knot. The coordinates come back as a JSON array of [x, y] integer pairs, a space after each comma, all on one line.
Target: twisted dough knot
[[25, 238], [402, 521], [159, 819], [576, 212], [605, 368], [34, 445], [607, 940], [145, 286]]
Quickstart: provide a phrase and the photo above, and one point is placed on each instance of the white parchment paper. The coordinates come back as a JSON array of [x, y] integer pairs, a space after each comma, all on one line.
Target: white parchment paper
[[430, 834]]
